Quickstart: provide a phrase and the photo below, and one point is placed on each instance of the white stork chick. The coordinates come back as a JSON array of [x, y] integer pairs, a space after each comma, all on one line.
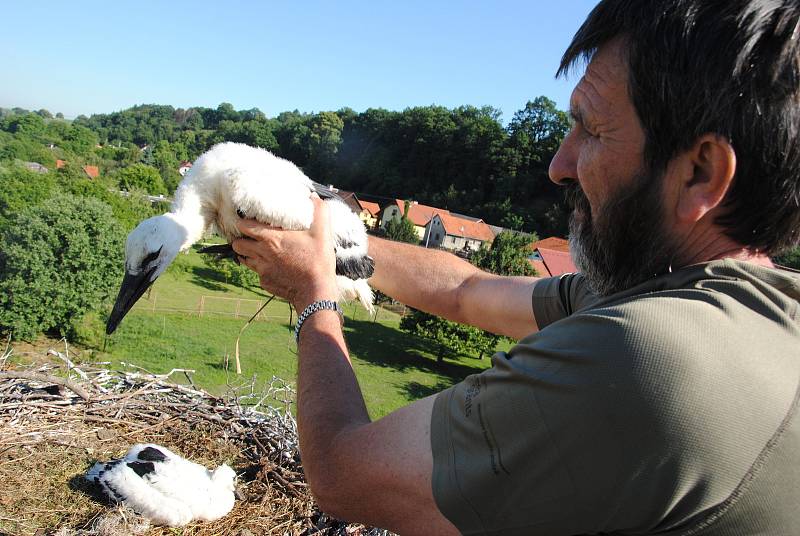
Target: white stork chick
[[165, 488], [229, 181]]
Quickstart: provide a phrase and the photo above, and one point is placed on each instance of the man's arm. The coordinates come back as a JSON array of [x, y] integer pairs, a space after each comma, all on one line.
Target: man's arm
[[372, 472], [377, 473], [442, 284]]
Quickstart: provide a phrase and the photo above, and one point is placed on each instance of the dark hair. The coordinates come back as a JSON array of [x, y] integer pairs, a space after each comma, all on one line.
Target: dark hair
[[726, 67]]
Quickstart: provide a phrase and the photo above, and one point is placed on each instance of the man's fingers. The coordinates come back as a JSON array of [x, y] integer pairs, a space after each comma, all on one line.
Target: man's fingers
[[321, 214], [255, 229], [245, 247]]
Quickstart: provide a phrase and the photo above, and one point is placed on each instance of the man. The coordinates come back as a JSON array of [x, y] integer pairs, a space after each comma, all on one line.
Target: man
[[657, 391]]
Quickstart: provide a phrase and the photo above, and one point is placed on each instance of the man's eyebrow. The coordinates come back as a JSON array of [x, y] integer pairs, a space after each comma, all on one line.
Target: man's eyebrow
[[578, 117]]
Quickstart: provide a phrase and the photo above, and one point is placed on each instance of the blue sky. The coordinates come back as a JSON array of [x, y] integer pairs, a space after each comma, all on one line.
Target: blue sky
[[85, 57]]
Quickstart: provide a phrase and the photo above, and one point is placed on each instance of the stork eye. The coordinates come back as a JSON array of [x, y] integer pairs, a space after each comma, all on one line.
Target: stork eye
[[151, 257], [241, 213]]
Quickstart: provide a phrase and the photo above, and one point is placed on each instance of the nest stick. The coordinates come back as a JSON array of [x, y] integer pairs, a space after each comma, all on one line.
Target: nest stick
[[46, 378]]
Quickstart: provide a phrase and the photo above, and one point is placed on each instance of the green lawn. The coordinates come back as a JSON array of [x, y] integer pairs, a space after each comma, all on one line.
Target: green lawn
[[393, 367]]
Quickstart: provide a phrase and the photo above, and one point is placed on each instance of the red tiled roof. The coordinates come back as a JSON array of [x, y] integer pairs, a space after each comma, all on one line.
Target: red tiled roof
[[552, 243], [92, 171], [540, 267], [60, 164], [349, 199], [419, 214], [369, 206], [556, 262], [456, 226]]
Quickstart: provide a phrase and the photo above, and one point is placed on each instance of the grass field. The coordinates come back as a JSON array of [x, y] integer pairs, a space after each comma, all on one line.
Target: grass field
[[393, 367]]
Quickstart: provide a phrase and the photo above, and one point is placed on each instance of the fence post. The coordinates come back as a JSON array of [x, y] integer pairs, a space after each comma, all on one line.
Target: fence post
[[238, 306], [155, 298]]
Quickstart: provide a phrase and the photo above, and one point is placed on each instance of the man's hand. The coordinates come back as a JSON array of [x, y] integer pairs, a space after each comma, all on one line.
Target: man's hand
[[297, 265]]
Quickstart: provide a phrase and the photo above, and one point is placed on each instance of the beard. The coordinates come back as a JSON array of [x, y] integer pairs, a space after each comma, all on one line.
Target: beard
[[627, 242]]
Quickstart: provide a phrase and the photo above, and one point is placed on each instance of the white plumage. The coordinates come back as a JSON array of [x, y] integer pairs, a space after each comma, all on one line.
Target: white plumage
[[165, 488], [233, 180]]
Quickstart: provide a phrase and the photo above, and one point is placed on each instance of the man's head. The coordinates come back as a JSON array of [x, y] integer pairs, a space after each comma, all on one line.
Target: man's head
[[697, 101]]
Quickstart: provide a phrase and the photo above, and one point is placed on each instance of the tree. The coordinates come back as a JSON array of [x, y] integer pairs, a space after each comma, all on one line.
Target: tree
[[324, 139], [29, 124], [457, 338], [20, 189], [165, 160], [235, 274], [59, 260], [80, 140], [402, 230], [141, 177], [508, 255], [790, 258]]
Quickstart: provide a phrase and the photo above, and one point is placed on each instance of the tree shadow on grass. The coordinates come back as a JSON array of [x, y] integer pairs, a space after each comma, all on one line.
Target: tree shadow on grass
[[416, 390], [390, 347], [207, 278]]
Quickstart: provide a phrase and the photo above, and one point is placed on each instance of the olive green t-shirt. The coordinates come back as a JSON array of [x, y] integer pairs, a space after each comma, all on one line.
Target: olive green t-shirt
[[669, 408]]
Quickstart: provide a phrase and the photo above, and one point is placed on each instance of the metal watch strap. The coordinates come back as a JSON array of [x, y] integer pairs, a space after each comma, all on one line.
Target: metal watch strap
[[312, 308]]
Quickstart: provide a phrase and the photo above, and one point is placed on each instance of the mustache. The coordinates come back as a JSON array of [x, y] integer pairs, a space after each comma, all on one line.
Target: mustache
[[576, 199]]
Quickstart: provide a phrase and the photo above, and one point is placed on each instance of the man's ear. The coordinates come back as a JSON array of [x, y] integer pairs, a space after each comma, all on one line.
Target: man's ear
[[711, 166]]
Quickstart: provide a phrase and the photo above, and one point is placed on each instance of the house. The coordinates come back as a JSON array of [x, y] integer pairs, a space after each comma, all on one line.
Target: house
[[35, 167], [60, 164], [91, 171], [418, 214], [457, 232], [184, 167], [369, 213], [349, 199], [551, 257]]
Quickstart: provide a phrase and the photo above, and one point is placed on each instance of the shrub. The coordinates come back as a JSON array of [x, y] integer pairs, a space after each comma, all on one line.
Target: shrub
[[58, 261], [790, 258], [230, 272]]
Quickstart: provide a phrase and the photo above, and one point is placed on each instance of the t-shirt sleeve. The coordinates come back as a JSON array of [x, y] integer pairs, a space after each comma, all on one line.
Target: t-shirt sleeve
[[555, 298]]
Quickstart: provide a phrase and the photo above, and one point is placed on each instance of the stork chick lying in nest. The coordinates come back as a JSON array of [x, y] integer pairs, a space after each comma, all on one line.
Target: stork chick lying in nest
[[165, 488], [231, 181]]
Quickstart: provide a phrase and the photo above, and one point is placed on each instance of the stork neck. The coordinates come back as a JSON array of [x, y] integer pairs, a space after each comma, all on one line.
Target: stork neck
[[187, 211]]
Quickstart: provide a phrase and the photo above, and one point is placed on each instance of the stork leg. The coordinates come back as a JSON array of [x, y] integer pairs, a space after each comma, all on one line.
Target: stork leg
[[222, 251]]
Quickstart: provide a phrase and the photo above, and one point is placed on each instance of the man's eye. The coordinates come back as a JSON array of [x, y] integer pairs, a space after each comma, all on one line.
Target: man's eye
[[582, 132]]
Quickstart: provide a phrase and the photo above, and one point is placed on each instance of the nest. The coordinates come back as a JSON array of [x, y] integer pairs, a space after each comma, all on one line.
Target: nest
[[57, 419]]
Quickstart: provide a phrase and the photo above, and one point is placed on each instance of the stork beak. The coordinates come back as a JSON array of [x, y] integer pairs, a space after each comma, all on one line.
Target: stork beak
[[133, 286]]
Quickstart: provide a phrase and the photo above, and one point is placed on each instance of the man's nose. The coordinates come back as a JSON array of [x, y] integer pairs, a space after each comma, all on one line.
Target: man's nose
[[564, 166]]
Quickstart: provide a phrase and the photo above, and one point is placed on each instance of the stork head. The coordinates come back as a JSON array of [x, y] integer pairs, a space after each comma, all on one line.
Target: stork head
[[224, 477], [151, 247]]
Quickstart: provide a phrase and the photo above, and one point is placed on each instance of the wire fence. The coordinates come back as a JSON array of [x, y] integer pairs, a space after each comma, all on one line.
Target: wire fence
[[215, 305]]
